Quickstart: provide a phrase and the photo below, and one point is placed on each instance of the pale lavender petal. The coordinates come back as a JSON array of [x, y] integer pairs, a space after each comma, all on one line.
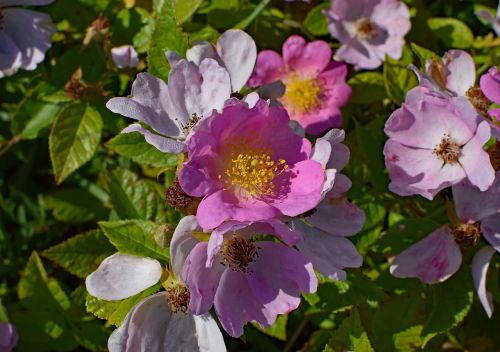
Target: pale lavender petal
[[183, 242], [202, 50], [337, 216], [124, 56], [8, 336], [239, 53], [461, 71], [173, 58], [216, 86], [490, 228], [433, 259], [31, 31], [480, 264], [10, 56], [121, 276], [164, 144]]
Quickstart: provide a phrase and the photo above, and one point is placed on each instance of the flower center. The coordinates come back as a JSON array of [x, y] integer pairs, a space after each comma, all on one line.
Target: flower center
[[178, 297], [449, 151], [302, 94], [478, 100], [238, 252], [365, 28], [494, 153], [467, 235], [250, 168], [193, 121]]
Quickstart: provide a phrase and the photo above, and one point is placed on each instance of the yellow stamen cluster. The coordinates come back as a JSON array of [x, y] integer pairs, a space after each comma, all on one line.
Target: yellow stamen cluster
[[302, 94], [250, 168]]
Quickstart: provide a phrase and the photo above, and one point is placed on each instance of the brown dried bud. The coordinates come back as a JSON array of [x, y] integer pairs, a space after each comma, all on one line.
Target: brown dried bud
[[100, 24], [97, 30], [478, 100], [494, 153], [75, 87], [180, 200], [467, 235]]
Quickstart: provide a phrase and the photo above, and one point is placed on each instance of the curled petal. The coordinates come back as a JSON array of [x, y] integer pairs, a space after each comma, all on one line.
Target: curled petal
[[480, 264]]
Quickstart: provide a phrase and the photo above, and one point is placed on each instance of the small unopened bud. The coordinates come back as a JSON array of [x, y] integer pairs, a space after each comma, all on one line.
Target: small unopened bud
[[180, 200], [467, 235]]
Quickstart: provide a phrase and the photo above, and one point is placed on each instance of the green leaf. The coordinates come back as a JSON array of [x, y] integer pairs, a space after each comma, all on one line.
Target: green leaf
[[396, 316], [115, 311], [82, 254], [166, 36], [185, 9], [135, 237], [367, 87], [133, 146], [277, 330], [408, 340], [315, 21], [133, 198], [451, 302], [398, 79], [351, 335], [424, 54], [44, 321], [452, 32], [74, 138], [75, 205]]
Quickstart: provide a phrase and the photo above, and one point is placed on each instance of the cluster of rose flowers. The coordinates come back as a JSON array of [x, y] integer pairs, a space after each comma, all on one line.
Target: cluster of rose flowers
[[265, 207]]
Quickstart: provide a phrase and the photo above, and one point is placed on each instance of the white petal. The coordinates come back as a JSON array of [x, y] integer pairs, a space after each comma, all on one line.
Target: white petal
[[216, 86], [480, 264], [152, 327], [202, 50], [461, 73], [239, 53], [121, 276], [161, 143], [182, 242], [251, 99], [329, 182], [321, 151]]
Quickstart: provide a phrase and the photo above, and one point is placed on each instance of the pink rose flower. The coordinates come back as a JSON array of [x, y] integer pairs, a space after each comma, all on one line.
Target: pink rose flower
[[246, 279], [438, 256], [315, 84], [368, 30], [249, 165], [436, 142]]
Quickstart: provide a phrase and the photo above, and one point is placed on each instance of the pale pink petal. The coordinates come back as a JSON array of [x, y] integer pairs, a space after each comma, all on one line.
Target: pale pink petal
[[480, 264], [121, 276], [490, 84], [461, 71], [433, 259], [268, 68], [124, 56], [239, 53]]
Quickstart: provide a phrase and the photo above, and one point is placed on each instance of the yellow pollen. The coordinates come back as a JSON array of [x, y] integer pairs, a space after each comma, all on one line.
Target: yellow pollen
[[302, 94], [250, 169]]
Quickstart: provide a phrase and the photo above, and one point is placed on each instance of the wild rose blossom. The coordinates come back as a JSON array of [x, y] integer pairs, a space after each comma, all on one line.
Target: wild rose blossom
[[368, 30], [322, 233], [315, 84], [438, 256], [244, 278], [124, 56], [235, 51], [436, 142], [25, 36], [249, 165], [8, 336], [173, 110], [159, 323], [455, 75]]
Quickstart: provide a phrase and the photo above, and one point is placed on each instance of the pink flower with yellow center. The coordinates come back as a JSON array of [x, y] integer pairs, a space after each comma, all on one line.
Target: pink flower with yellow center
[[249, 165], [315, 84]]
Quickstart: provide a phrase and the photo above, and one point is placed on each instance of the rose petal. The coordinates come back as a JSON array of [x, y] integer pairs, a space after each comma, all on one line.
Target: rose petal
[[480, 264]]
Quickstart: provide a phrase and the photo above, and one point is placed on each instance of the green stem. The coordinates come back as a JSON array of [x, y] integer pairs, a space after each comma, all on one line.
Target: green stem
[[247, 21], [296, 334]]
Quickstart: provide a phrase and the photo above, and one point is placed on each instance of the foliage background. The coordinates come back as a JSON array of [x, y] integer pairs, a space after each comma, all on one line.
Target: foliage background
[[72, 189]]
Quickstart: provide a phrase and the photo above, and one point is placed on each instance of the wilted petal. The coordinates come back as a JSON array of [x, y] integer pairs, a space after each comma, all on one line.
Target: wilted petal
[[480, 264], [433, 259], [161, 143], [151, 327], [121, 276], [239, 53]]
